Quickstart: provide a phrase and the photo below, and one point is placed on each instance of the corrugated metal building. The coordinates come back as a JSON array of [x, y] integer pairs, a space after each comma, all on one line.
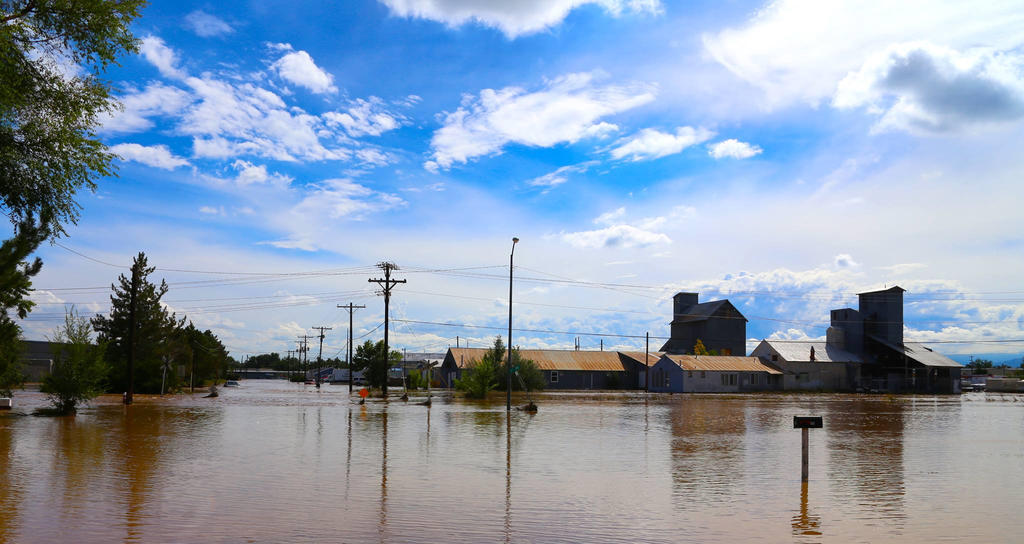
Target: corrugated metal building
[[811, 366], [713, 374], [717, 324], [562, 369]]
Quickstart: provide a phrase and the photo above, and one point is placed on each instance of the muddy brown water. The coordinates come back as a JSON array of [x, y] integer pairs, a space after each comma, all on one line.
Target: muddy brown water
[[278, 462]]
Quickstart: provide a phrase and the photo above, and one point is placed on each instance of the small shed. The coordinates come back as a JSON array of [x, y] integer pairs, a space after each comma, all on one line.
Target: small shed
[[713, 374]]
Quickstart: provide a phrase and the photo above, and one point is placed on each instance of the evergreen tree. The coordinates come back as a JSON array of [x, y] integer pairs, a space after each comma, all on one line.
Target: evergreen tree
[[136, 353], [16, 273], [79, 371]]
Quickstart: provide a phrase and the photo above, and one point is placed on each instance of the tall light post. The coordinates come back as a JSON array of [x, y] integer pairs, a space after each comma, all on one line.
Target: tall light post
[[508, 368]]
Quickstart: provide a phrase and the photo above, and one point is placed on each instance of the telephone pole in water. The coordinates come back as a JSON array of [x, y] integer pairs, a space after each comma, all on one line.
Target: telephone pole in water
[[351, 309], [319, 354], [304, 348], [386, 284]]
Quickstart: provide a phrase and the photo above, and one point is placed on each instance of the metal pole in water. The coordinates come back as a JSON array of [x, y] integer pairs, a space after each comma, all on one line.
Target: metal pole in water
[[803, 455]]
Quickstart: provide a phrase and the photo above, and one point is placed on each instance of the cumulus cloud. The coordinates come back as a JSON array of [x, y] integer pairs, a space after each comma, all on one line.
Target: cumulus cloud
[[157, 53], [157, 156], [210, 210], [249, 173], [844, 260], [565, 110], [206, 25], [138, 107], [650, 143], [297, 67], [626, 234], [365, 117], [733, 149], [512, 18], [921, 87], [798, 50]]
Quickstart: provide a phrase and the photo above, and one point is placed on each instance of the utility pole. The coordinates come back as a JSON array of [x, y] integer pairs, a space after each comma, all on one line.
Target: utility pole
[[289, 366], [319, 355], [647, 362], [305, 351], [386, 285], [351, 309], [508, 365], [133, 324]]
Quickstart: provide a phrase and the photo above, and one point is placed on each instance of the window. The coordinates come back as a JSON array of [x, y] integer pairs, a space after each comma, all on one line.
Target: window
[[775, 356], [725, 379], [554, 376]]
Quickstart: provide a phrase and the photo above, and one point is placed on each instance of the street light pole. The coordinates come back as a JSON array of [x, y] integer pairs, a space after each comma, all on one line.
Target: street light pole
[[508, 368]]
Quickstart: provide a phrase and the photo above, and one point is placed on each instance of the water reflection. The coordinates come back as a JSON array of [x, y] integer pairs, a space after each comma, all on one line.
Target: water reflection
[[805, 523], [11, 492], [865, 446], [707, 449]]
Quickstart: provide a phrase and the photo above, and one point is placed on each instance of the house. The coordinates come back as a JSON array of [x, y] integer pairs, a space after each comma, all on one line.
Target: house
[[713, 374], [811, 366], [717, 324], [562, 369], [37, 359]]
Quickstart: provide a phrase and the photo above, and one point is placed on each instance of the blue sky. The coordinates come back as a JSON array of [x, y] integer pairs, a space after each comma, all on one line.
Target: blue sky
[[785, 155]]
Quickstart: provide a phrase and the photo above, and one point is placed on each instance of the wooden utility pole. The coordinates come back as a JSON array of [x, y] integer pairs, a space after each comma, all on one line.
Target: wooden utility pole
[[647, 362], [351, 309], [304, 348], [386, 284], [319, 354]]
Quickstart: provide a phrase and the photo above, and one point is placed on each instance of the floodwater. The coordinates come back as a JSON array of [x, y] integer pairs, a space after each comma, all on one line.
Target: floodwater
[[278, 462]]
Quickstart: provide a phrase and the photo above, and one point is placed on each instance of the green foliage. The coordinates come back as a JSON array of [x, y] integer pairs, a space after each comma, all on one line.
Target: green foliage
[[415, 380], [529, 373], [369, 358], [154, 331], [480, 377], [980, 365], [16, 272], [79, 370], [52, 53]]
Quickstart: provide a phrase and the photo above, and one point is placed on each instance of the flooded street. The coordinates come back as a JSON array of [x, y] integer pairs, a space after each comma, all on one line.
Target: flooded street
[[278, 462]]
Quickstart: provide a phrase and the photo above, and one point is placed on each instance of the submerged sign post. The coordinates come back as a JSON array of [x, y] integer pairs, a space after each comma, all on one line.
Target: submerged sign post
[[803, 423]]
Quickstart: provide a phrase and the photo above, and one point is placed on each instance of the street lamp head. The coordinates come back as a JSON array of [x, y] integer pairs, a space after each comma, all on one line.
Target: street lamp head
[[515, 240]]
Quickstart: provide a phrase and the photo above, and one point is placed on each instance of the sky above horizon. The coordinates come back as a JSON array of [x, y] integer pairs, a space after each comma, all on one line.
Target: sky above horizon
[[785, 155]]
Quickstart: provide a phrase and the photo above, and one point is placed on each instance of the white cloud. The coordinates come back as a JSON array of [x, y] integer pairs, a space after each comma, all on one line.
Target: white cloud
[[798, 50], [157, 156], [607, 218], [211, 210], [138, 106], [844, 260], [621, 234], [298, 67], [652, 144], [155, 51], [561, 175], [734, 149], [249, 173], [365, 117], [921, 87], [567, 109], [512, 18], [206, 25]]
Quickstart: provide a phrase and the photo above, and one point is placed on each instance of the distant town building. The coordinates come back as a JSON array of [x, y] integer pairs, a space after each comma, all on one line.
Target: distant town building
[[562, 369], [811, 366], [713, 374], [717, 324]]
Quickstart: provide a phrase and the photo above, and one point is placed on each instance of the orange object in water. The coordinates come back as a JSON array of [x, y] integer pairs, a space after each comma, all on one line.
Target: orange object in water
[[364, 393]]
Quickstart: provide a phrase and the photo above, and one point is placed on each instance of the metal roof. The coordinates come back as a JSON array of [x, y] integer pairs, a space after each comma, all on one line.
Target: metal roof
[[721, 363], [553, 359], [703, 311], [638, 356], [919, 353], [801, 352]]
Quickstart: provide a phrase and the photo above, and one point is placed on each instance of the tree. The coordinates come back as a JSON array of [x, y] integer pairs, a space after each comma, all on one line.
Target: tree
[[980, 365], [135, 353], [79, 371], [480, 377], [51, 97], [699, 349], [52, 53], [16, 274], [369, 358]]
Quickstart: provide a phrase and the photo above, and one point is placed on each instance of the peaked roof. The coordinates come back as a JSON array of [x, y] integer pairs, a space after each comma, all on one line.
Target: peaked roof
[[721, 363], [824, 352], [703, 311]]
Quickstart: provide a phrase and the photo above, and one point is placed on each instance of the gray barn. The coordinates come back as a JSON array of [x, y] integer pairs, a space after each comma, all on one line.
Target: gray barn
[[717, 324]]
